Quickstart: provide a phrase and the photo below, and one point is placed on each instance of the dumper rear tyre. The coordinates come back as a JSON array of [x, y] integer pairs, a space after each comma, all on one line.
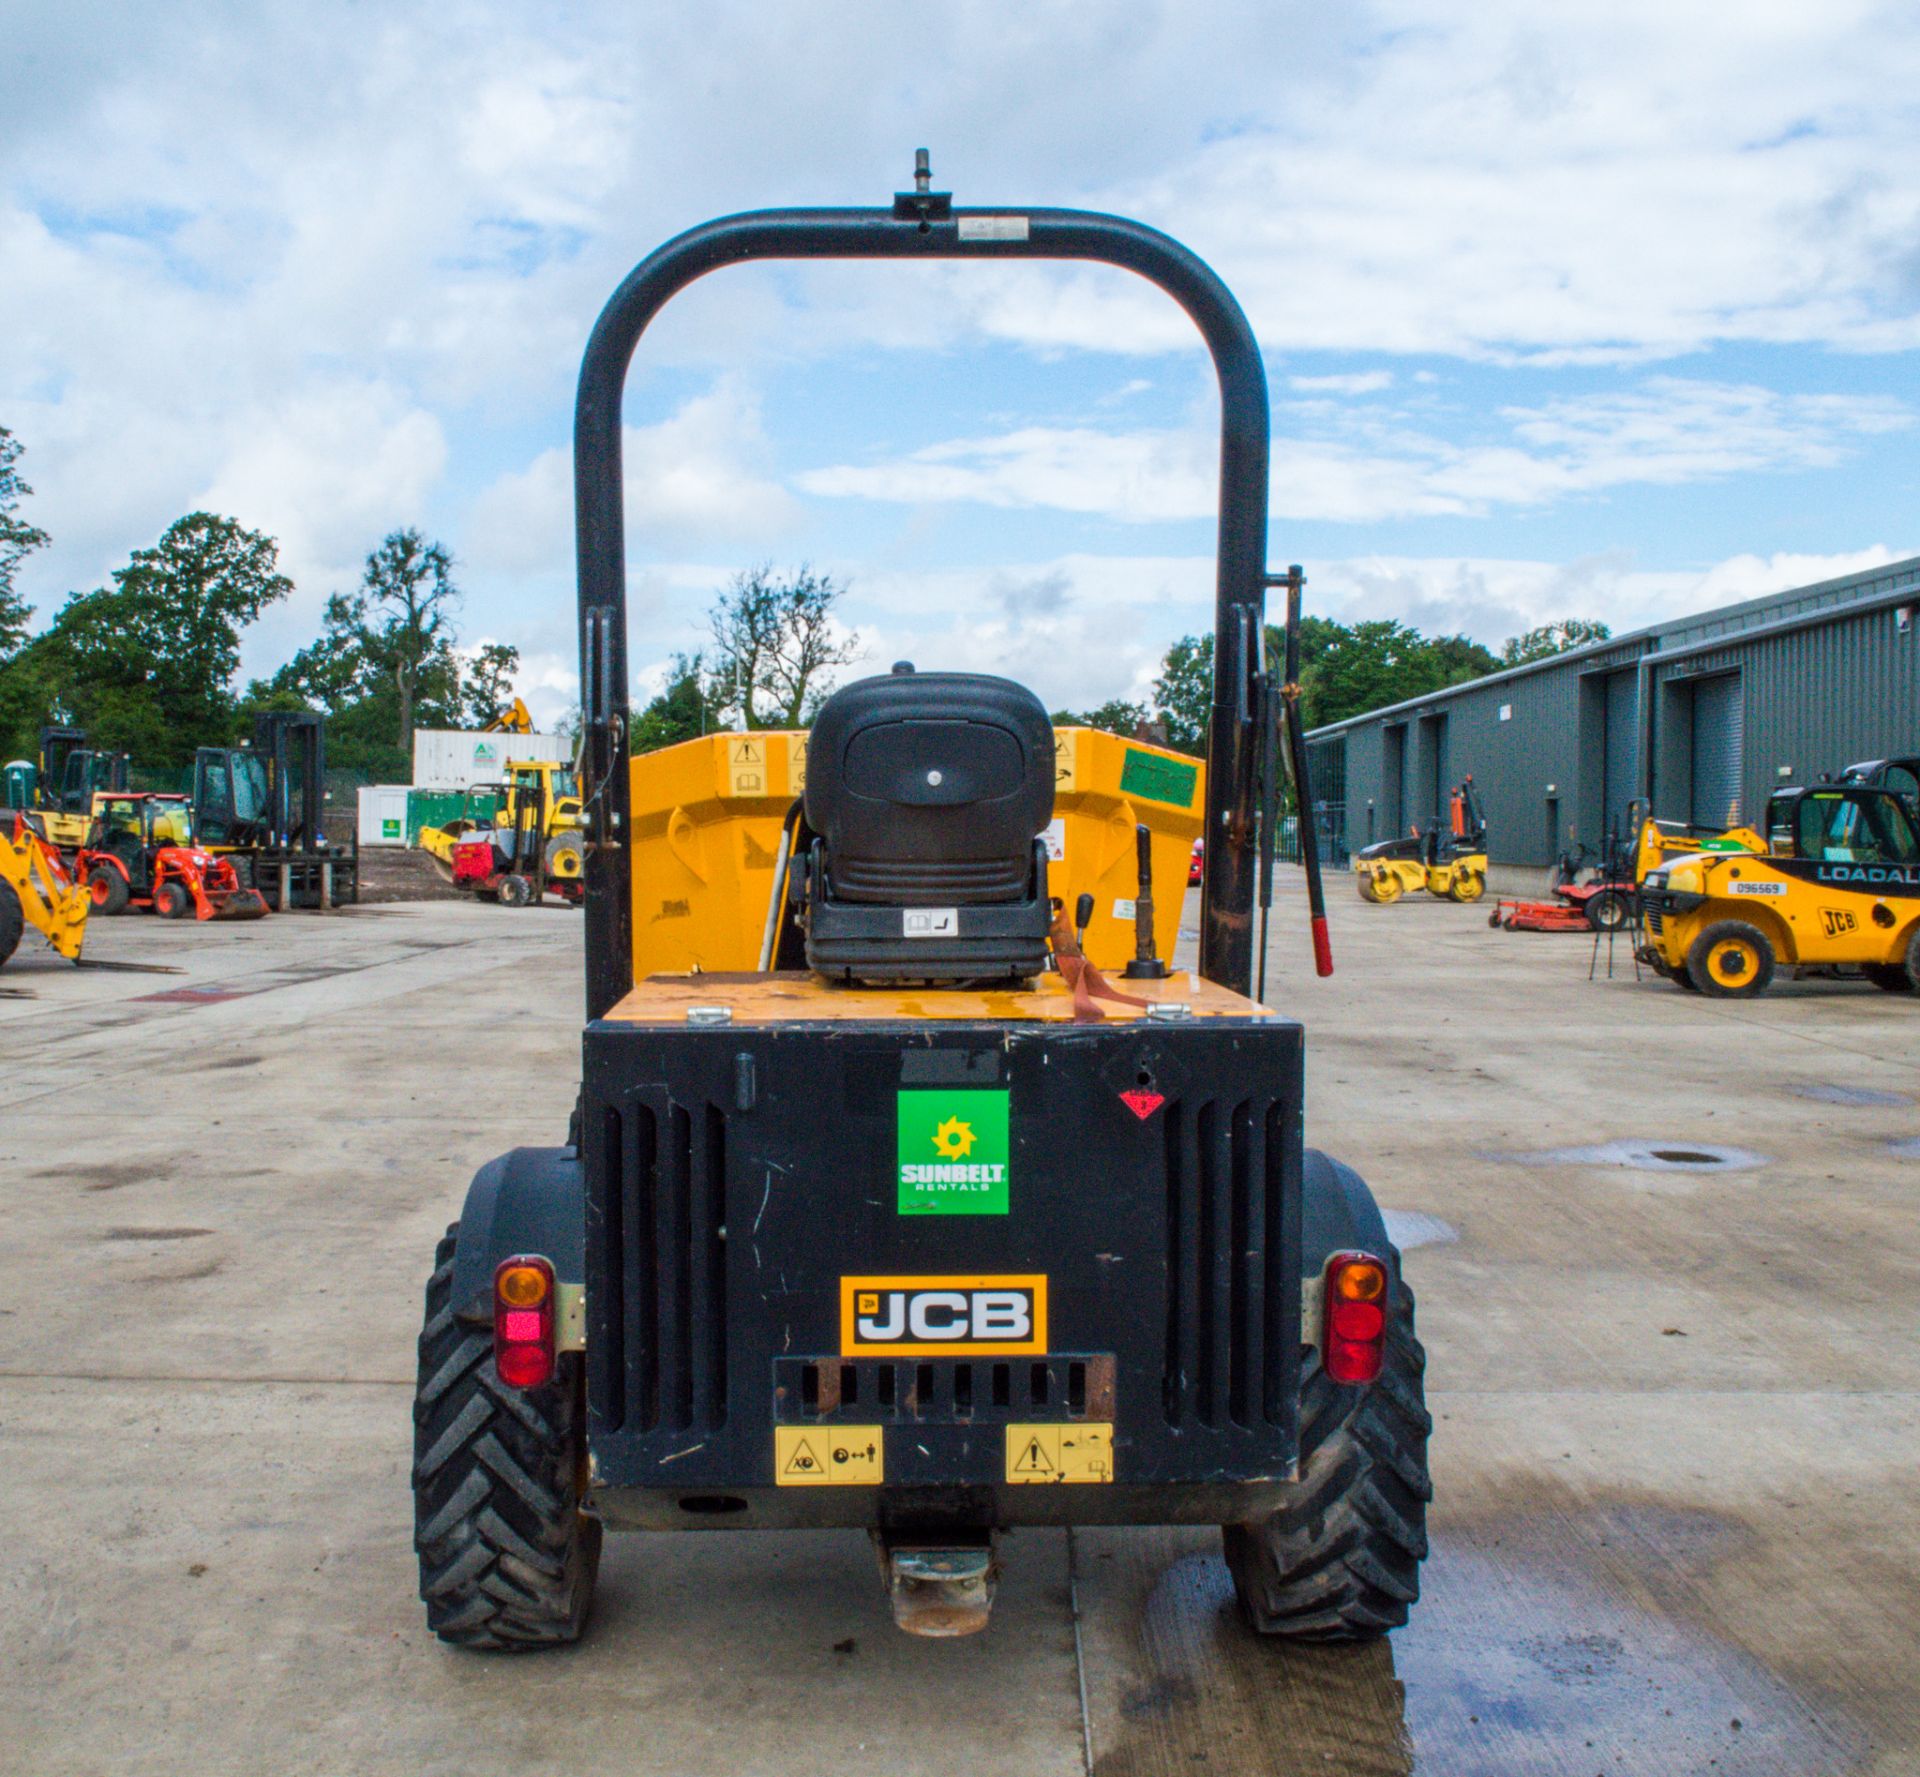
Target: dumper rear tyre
[[1888, 977], [1341, 1561], [507, 1557], [13, 920], [1731, 960]]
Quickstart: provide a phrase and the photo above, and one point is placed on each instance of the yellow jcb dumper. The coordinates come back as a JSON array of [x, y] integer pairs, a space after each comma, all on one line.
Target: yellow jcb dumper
[[37, 891]]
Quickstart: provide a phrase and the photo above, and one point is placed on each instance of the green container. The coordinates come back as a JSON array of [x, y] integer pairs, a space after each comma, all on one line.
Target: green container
[[437, 808]]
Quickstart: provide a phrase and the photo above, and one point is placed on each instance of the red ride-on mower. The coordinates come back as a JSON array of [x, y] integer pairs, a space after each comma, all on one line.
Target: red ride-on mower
[[1602, 903], [141, 853]]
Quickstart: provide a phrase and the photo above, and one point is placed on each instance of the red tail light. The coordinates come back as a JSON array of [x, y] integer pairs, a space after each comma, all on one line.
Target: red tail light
[[523, 1321], [1353, 1339]]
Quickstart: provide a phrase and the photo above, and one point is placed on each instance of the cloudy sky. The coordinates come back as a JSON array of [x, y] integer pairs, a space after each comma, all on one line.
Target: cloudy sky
[[1584, 311]]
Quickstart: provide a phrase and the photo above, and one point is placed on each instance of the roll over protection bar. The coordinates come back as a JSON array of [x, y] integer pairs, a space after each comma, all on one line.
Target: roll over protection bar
[[923, 224]]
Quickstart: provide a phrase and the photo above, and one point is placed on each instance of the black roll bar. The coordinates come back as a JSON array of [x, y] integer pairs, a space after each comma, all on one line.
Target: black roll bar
[[922, 225]]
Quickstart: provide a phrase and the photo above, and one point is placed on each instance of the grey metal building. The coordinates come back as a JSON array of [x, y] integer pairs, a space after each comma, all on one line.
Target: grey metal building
[[1703, 716]]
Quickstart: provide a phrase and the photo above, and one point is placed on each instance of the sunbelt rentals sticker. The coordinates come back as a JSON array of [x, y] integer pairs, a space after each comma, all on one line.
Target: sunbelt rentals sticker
[[953, 1158]]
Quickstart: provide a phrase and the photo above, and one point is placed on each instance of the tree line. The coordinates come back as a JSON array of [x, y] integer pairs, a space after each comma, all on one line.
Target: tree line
[[147, 664]]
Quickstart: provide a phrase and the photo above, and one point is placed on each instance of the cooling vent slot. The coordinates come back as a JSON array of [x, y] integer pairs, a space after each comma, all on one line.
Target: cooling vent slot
[[950, 1392], [1225, 1347], [664, 1287]]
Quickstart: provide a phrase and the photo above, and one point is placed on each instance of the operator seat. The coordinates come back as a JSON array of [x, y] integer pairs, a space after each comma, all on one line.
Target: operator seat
[[927, 794]]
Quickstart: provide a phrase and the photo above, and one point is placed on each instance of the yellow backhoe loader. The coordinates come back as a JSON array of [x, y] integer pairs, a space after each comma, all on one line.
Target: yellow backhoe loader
[[36, 890], [530, 847]]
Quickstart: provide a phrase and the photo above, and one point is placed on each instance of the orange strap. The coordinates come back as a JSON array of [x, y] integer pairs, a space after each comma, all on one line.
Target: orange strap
[[1087, 982]]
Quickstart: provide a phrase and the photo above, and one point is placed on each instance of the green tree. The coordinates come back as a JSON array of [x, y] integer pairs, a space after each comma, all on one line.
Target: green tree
[[775, 643], [1116, 716], [486, 681], [1551, 639], [691, 705], [1366, 666], [1183, 693], [18, 540], [399, 627], [147, 664]]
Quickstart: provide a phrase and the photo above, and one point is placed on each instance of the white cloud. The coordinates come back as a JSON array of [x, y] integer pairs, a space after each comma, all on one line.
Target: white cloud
[[698, 476], [1370, 464], [1362, 382]]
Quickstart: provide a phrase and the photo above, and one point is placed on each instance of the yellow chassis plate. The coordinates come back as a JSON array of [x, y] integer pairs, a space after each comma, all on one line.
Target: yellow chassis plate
[[828, 1455], [1037, 1454]]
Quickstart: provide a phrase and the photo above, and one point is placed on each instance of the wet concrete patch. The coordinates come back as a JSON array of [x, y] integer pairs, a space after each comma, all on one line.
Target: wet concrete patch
[[1860, 1096], [1647, 1156], [156, 1233], [1907, 1147], [1534, 1649], [1409, 1228]]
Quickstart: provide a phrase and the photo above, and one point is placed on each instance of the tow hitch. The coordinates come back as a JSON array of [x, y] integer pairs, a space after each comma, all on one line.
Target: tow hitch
[[940, 1590]]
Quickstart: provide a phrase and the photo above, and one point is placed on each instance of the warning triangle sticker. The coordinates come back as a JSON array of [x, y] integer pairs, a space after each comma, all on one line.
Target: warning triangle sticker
[[1143, 1104], [802, 1461], [1033, 1460]]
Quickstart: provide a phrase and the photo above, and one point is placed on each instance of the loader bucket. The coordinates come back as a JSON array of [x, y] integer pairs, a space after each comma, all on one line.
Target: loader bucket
[[241, 904]]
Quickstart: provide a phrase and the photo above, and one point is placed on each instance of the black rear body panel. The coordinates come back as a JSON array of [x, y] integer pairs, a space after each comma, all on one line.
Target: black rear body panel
[[735, 1175]]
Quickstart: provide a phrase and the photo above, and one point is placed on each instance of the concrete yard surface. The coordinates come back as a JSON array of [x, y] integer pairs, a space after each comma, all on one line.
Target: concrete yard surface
[[1676, 1400]]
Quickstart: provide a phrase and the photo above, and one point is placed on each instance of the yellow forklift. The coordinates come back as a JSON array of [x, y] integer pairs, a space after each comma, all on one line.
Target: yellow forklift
[[941, 1222], [59, 787], [1835, 884], [1449, 862]]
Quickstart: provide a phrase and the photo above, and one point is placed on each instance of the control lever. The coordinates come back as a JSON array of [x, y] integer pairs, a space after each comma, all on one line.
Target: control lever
[[1082, 918], [1146, 964]]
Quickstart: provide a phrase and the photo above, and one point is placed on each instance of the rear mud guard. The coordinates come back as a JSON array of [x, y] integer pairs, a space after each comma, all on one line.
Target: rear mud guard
[[531, 1200]]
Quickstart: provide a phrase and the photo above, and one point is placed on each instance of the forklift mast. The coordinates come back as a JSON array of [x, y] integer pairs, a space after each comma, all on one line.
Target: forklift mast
[[272, 793]]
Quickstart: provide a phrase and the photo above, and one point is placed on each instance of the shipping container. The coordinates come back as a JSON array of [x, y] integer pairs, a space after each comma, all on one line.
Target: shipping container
[[435, 808], [457, 759], [383, 814]]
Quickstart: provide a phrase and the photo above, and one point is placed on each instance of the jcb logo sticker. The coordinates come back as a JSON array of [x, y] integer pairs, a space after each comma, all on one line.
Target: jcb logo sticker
[[1837, 920], [943, 1316]]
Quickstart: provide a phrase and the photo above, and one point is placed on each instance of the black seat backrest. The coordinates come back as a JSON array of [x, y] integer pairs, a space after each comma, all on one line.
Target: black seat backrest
[[930, 788]]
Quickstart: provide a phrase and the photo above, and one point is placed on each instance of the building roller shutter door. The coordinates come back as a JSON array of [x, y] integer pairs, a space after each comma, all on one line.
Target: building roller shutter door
[[1717, 714], [1622, 753]]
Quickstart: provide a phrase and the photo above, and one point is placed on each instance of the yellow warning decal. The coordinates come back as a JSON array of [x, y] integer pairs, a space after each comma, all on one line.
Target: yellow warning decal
[[796, 764], [1038, 1453], [828, 1455], [747, 767]]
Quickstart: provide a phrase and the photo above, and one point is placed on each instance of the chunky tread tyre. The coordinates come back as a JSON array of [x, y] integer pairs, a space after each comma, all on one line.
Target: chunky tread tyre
[[515, 891], [507, 1558], [13, 920], [1751, 943], [109, 890], [1341, 1561], [1888, 977], [172, 901]]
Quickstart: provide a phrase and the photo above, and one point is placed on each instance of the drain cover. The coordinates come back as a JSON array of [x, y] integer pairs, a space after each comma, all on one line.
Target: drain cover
[[1650, 1156]]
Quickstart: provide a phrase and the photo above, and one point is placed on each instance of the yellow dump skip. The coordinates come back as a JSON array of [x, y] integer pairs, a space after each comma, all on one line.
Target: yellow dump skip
[[706, 818]]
